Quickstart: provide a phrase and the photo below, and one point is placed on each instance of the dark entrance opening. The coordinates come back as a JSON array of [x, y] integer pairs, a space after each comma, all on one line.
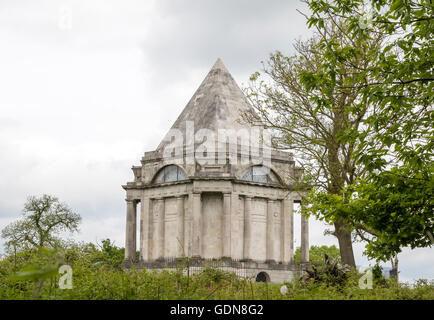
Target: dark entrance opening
[[262, 277]]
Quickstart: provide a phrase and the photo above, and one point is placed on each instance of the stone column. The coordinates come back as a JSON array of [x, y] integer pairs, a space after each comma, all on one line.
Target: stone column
[[197, 224], [130, 234], [304, 239], [152, 231], [291, 231], [288, 231], [180, 235], [160, 240], [144, 229], [247, 227], [226, 225], [270, 231]]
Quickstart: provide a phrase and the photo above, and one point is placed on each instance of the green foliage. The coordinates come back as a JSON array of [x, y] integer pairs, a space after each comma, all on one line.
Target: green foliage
[[377, 272], [44, 218], [316, 254], [330, 273], [35, 267], [378, 278], [111, 255], [395, 210], [301, 99], [391, 205], [301, 290], [356, 105], [96, 276]]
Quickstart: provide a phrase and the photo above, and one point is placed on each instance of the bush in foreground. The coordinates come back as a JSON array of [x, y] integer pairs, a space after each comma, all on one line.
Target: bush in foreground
[[97, 274]]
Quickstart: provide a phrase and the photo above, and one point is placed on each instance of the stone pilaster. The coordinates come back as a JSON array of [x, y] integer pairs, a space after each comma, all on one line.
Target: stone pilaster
[[291, 231], [247, 227], [130, 239], [304, 239], [160, 240], [188, 227], [270, 231], [144, 228], [196, 224], [226, 225], [180, 235], [287, 239], [152, 242]]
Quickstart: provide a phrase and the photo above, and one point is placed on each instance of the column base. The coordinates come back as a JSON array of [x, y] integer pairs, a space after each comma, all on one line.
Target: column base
[[128, 263]]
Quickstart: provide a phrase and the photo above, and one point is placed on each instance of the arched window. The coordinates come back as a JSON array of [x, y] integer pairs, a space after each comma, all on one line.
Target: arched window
[[260, 174], [169, 174]]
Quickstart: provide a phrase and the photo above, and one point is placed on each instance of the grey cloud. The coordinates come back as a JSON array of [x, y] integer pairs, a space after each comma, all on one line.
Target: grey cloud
[[194, 33]]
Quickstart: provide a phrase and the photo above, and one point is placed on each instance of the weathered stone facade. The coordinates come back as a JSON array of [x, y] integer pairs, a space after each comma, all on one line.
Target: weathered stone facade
[[218, 210]]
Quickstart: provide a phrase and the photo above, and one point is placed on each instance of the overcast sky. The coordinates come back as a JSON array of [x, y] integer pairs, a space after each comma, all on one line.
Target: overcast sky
[[86, 87]]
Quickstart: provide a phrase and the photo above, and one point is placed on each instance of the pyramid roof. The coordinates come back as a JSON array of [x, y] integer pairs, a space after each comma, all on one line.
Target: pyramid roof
[[218, 103]]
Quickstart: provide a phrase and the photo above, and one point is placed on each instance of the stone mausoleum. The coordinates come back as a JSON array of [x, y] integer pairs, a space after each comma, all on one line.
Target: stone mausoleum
[[228, 202]]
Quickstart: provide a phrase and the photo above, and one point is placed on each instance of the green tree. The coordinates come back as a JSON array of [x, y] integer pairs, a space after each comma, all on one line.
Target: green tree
[[309, 120], [44, 218], [393, 202], [111, 254], [316, 254]]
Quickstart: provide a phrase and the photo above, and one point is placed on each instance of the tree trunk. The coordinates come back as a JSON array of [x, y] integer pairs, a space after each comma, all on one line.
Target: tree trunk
[[343, 233], [394, 271], [336, 183]]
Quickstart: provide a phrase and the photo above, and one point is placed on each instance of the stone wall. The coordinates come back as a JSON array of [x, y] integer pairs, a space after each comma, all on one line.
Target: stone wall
[[275, 273]]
